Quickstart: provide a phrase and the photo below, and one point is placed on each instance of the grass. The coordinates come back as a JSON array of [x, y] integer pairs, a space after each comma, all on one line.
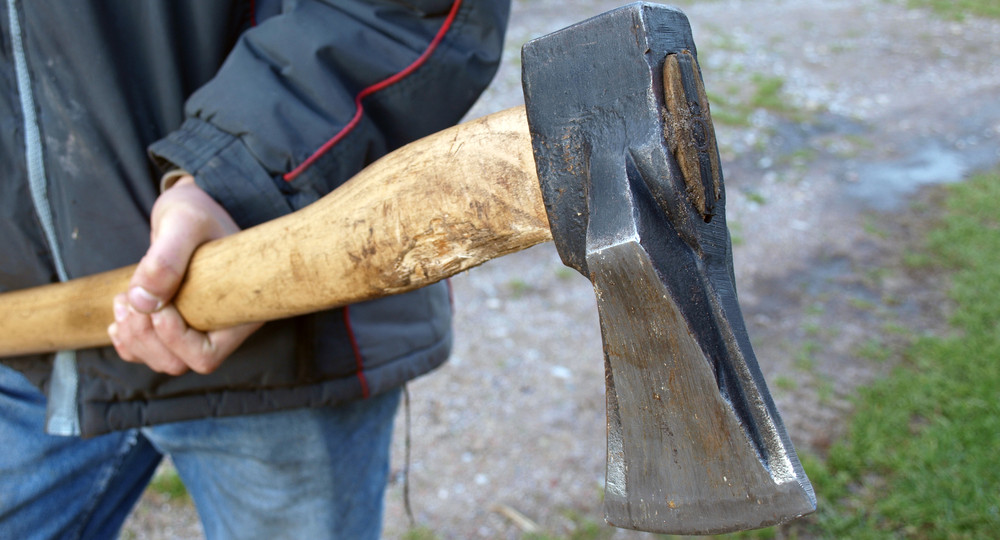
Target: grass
[[785, 382], [755, 197], [918, 460], [168, 484], [737, 105], [736, 236], [873, 349], [518, 287], [768, 93], [565, 273], [420, 533], [959, 9], [584, 529]]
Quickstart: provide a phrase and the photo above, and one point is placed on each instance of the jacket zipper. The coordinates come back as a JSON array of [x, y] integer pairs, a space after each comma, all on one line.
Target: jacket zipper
[[62, 406]]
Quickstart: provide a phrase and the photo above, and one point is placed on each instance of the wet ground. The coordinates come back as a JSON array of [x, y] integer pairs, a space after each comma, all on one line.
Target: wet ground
[[827, 182]]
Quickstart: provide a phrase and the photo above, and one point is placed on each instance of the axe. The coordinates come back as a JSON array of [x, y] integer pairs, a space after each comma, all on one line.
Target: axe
[[614, 158]]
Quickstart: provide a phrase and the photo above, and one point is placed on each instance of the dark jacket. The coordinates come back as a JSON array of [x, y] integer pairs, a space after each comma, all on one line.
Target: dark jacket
[[271, 105]]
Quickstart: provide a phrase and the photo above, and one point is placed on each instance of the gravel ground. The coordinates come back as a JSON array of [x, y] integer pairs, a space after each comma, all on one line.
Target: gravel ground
[[824, 190]]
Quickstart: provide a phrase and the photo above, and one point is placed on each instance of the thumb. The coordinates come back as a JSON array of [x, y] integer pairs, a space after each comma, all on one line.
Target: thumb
[[184, 217], [159, 273]]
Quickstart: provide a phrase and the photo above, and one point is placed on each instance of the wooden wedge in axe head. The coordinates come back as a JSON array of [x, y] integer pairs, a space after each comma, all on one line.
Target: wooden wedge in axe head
[[628, 184]]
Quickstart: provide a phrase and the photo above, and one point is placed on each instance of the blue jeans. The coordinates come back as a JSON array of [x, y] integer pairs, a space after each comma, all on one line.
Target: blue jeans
[[308, 473]]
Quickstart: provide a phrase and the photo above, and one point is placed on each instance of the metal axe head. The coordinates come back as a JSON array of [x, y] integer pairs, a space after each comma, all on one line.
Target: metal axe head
[[629, 169]]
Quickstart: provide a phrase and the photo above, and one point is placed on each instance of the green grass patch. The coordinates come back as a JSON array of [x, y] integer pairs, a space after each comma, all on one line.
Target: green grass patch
[[726, 111], [785, 382], [897, 329], [800, 158], [874, 349], [805, 358], [420, 533], [756, 197], [565, 273], [518, 287], [736, 105], [815, 308], [812, 329], [736, 236], [919, 457], [724, 41], [959, 9], [767, 93], [874, 228], [917, 260], [862, 304], [168, 484], [585, 530]]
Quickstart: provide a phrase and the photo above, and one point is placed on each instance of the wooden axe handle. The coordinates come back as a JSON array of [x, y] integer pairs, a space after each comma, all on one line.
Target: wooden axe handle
[[429, 210]]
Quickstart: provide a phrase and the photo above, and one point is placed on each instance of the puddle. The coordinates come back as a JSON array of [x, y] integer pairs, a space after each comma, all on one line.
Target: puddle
[[884, 186]]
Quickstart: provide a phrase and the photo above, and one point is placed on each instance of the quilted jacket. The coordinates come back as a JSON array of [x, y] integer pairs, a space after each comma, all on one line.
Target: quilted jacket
[[270, 105]]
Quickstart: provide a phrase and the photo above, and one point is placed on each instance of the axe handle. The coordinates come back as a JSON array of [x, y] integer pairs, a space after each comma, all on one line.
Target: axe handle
[[427, 211]]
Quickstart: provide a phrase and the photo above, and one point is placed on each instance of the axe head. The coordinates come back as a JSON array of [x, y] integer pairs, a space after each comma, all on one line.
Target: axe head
[[629, 169]]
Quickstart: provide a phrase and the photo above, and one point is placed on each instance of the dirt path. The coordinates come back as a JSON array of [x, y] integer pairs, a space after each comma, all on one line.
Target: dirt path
[[875, 101]]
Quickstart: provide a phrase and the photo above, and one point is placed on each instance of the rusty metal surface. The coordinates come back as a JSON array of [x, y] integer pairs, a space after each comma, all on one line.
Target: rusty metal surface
[[637, 204]]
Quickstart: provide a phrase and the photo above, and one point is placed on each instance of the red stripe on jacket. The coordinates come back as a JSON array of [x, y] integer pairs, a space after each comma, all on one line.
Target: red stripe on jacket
[[381, 85], [355, 120], [358, 359]]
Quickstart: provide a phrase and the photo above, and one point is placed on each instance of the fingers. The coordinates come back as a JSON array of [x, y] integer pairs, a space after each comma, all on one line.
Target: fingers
[[164, 342], [134, 338], [147, 327], [201, 352]]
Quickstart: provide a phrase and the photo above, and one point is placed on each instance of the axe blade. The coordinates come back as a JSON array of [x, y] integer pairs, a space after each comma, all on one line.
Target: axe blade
[[629, 170]]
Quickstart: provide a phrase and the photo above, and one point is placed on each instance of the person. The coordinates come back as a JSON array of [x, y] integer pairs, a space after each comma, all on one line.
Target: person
[[244, 111]]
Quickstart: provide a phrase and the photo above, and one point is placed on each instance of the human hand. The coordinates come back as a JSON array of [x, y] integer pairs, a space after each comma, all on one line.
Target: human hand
[[148, 328]]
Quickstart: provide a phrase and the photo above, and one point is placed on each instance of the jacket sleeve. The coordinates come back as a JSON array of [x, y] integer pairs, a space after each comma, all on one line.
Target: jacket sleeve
[[311, 95]]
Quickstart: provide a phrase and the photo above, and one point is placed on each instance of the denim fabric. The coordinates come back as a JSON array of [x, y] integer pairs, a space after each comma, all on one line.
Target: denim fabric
[[307, 473]]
